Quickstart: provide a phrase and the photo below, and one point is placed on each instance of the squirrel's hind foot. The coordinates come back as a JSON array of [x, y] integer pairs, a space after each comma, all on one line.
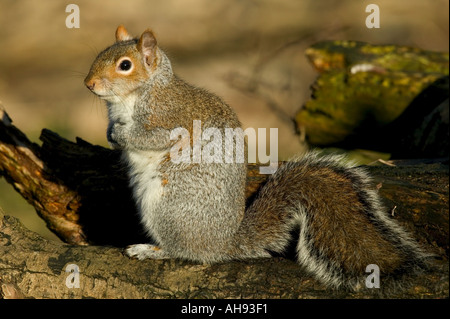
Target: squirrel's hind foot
[[145, 251]]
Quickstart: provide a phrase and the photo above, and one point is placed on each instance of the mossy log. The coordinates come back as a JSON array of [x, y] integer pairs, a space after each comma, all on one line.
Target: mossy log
[[363, 88], [81, 191]]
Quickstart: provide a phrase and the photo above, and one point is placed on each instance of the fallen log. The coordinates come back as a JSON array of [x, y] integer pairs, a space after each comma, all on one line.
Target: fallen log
[[81, 191]]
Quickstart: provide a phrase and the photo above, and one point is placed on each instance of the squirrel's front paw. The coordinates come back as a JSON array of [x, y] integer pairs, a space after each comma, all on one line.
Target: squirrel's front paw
[[144, 251], [115, 135]]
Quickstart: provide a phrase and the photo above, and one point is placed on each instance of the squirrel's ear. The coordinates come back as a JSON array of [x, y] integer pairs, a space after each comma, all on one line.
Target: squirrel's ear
[[122, 34], [147, 44]]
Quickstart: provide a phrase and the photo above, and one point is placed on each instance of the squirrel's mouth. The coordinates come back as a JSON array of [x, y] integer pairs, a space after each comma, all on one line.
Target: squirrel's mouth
[[104, 96], [99, 91], [111, 98]]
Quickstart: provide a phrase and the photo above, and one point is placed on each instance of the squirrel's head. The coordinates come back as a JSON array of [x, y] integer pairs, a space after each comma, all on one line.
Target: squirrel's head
[[126, 65]]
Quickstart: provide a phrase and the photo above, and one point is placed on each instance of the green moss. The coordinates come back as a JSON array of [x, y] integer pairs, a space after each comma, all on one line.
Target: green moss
[[344, 54]]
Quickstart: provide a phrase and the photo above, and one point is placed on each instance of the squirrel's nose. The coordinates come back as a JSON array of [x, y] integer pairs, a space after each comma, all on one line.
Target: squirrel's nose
[[90, 84]]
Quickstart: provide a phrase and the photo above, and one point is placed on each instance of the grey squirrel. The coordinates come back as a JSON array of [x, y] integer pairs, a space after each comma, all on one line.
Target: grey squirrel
[[197, 211]]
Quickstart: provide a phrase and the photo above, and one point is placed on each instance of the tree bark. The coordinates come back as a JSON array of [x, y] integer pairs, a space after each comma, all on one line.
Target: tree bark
[[33, 267], [81, 191]]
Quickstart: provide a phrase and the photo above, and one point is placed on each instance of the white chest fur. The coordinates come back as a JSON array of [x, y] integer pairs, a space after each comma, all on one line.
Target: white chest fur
[[144, 175], [146, 183], [121, 109]]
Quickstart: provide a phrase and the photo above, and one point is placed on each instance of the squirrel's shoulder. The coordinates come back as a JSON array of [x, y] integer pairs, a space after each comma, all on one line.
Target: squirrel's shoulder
[[196, 103]]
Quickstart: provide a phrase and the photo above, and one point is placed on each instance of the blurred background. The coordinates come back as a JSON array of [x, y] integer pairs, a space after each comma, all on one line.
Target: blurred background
[[225, 46]]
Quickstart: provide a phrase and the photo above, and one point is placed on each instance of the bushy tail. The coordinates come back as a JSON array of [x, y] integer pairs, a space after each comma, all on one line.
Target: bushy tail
[[343, 226]]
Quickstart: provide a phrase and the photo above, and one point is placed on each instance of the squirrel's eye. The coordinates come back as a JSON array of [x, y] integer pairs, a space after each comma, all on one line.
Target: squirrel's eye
[[125, 65]]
